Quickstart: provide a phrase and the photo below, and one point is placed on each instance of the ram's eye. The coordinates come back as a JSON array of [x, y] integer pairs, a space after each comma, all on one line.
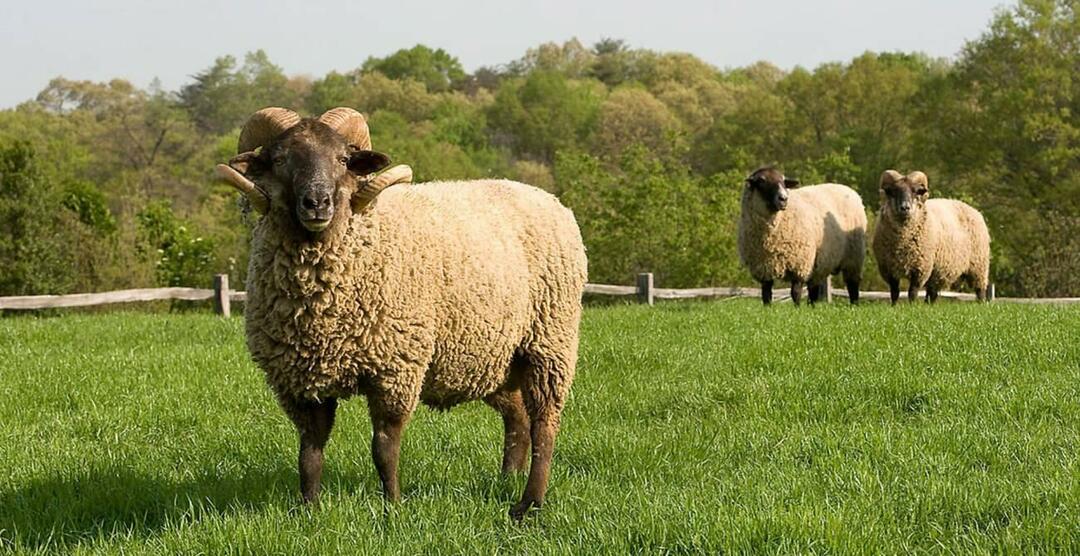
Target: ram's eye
[[920, 191], [279, 161], [344, 161]]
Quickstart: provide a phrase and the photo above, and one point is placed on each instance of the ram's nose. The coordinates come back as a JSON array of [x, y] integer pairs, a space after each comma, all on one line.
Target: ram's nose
[[316, 210], [316, 202]]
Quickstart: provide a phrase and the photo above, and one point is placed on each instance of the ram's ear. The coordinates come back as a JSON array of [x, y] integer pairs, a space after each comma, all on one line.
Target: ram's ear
[[791, 182], [919, 182], [363, 162], [248, 163]]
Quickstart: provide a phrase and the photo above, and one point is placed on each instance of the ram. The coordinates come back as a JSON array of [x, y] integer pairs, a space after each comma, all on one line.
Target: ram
[[933, 243], [439, 293]]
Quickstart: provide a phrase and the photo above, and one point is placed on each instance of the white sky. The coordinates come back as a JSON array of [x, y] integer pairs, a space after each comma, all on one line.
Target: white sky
[[140, 39]]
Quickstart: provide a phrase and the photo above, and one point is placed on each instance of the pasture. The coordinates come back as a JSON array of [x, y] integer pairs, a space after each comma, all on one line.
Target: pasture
[[692, 427]]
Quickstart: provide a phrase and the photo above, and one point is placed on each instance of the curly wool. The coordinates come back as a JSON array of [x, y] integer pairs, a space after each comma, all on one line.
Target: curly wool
[[946, 241], [821, 232], [429, 294]]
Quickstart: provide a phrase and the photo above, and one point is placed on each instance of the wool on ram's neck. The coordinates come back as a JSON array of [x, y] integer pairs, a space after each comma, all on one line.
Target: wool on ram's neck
[[900, 240], [307, 266]]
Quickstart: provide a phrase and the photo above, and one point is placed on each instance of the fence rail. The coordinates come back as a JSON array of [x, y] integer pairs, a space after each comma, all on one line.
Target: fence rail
[[644, 291]]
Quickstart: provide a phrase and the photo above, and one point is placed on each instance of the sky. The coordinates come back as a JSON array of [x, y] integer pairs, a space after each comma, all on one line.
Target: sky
[[140, 40]]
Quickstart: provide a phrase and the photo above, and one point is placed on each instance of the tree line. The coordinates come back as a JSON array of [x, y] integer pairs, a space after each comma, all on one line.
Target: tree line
[[107, 185]]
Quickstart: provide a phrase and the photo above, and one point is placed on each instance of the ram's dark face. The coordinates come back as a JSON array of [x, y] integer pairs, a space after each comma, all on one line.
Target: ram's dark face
[[310, 171], [771, 185], [903, 196]]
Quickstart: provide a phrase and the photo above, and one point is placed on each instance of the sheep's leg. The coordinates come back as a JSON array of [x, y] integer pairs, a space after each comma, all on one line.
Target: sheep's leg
[[313, 421], [814, 293], [894, 290], [913, 288], [931, 294], [511, 406], [544, 390], [766, 292], [851, 280], [796, 291], [387, 424]]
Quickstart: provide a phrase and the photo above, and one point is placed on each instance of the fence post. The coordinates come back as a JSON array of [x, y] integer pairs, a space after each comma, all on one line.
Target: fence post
[[990, 293], [221, 294], [828, 289], [645, 288]]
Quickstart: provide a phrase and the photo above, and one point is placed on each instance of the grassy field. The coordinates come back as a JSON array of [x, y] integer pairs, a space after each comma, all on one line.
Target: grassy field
[[692, 427]]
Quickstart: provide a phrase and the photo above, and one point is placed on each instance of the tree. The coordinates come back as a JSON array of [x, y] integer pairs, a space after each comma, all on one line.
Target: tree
[[435, 69]]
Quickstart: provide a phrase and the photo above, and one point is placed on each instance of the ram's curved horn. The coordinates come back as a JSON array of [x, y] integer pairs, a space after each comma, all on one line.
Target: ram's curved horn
[[919, 178], [263, 126], [260, 201], [369, 189], [890, 177], [350, 124]]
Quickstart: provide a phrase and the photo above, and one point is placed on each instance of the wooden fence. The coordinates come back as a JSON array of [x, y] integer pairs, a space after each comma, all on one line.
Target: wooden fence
[[644, 292]]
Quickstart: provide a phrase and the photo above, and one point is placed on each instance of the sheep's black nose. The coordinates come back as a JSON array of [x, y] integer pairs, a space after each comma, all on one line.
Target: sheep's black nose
[[316, 201]]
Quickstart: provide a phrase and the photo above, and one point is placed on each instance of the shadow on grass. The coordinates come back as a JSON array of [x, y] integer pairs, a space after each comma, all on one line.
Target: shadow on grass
[[61, 511]]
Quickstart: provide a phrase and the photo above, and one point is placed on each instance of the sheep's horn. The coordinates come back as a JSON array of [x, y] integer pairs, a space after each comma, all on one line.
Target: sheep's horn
[[371, 188], [919, 178], [263, 126], [890, 176], [260, 201], [350, 124]]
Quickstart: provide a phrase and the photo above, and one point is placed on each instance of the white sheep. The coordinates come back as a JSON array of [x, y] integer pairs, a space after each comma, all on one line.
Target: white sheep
[[438, 293], [801, 235], [933, 243]]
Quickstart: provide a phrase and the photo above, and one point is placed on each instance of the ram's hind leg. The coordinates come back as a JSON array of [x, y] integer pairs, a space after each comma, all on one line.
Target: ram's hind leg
[[314, 421], [545, 384], [511, 406]]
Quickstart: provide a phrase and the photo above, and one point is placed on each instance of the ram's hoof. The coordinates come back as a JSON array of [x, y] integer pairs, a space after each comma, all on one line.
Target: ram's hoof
[[521, 509]]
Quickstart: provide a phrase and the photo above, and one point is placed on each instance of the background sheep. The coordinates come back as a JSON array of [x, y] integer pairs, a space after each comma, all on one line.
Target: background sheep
[[801, 235], [933, 243], [435, 292]]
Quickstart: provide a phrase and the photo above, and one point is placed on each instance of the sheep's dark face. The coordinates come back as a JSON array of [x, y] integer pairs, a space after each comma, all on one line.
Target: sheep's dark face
[[772, 187], [903, 196], [310, 172]]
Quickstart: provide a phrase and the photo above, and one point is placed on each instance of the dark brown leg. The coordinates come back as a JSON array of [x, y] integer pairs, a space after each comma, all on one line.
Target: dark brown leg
[[543, 402], [515, 428], [796, 291], [913, 289], [894, 290], [766, 292], [851, 280], [814, 293], [314, 421], [386, 428], [931, 295]]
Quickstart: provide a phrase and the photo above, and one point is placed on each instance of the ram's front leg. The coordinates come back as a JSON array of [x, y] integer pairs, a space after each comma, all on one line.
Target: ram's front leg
[[388, 420], [797, 291], [314, 421]]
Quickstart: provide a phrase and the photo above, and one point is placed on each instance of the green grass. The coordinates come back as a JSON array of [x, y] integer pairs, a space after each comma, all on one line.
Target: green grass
[[693, 427]]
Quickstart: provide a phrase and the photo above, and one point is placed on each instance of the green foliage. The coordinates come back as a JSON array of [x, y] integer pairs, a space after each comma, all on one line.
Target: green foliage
[[89, 205], [34, 250], [657, 216], [183, 258], [544, 113], [692, 428], [648, 147], [436, 69]]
